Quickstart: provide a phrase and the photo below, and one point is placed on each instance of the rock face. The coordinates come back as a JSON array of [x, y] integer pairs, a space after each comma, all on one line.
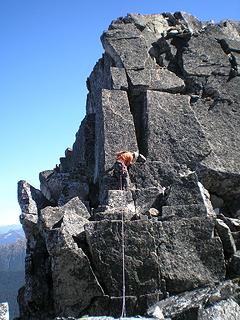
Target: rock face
[[213, 302], [4, 311], [167, 85]]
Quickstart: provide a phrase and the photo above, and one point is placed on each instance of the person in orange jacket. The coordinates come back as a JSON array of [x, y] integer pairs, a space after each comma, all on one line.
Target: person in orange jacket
[[124, 159]]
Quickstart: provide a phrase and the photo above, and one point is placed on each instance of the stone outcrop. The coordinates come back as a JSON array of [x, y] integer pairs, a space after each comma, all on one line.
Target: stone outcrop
[[4, 315], [167, 85], [214, 302]]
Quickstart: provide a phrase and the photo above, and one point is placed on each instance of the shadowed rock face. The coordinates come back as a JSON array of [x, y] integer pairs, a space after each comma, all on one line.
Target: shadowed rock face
[[168, 86]]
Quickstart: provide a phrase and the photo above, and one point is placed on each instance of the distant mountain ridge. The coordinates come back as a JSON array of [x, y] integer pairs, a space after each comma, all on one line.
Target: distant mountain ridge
[[12, 262], [11, 236], [6, 228]]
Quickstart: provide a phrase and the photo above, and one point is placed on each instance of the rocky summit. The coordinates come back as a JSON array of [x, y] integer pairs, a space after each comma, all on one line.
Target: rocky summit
[[167, 85]]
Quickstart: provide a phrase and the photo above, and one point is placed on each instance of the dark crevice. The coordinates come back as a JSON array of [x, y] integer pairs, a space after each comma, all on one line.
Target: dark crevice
[[231, 207], [234, 67], [138, 110], [171, 19], [38, 271], [213, 96], [161, 52], [225, 47], [233, 62], [194, 86], [93, 195], [89, 135], [225, 189], [81, 242], [160, 201], [176, 64], [58, 224]]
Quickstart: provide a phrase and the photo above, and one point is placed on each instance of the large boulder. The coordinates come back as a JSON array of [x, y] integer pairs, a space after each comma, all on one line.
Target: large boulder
[[173, 132], [35, 297], [74, 283], [212, 302], [178, 254]]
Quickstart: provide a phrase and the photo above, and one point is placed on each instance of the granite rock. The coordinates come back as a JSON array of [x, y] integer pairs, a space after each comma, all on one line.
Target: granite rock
[[226, 237], [212, 302], [178, 252], [4, 315], [167, 86]]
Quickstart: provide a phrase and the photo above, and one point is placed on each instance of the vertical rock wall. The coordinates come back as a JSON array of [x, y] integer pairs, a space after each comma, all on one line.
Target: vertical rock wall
[[168, 86]]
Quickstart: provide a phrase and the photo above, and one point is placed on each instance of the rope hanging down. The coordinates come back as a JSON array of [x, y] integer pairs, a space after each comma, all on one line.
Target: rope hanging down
[[123, 314]]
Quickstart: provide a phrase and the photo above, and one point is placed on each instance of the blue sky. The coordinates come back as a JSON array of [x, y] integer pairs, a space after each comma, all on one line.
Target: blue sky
[[48, 49]]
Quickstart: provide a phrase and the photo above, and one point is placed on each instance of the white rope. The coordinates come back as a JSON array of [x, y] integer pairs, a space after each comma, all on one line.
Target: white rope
[[123, 314]]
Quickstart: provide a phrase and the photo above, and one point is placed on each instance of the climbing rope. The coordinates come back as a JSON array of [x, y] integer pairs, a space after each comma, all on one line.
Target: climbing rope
[[123, 314]]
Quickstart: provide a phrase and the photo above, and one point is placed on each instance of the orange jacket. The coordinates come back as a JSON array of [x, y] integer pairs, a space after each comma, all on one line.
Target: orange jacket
[[126, 157]]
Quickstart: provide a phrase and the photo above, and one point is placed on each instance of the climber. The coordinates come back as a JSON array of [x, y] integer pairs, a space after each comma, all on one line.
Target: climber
[[124, 159]]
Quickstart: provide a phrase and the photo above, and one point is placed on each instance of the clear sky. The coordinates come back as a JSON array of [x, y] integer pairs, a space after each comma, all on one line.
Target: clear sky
[[47, 50]]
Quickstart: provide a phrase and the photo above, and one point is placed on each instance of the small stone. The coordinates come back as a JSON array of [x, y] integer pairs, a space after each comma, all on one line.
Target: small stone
[[4, 313], [153, 212]]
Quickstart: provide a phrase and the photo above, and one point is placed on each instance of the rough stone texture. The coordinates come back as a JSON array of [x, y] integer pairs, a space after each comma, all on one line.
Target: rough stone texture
[[120, 198], [72, 290], [119, 78], [215, 302], [185, 190], [167, 86], [159, 79], [63, 232], [234, 265], [48, 193], [226, 237], [173, 132], [35, 298], [36, 294], [4, 315], [61, 187], [236, 237], [233, 224], [198, 58], [126, 46], [83, 157], [162, 249], [118, 204], [183, 211], [114, 129], [51, 216], [218, 112], [30, 199], [226, 309], [147, 198], [113, 214]]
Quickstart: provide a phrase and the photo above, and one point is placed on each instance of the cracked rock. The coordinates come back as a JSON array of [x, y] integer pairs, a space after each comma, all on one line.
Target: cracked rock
[[167, 86]]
